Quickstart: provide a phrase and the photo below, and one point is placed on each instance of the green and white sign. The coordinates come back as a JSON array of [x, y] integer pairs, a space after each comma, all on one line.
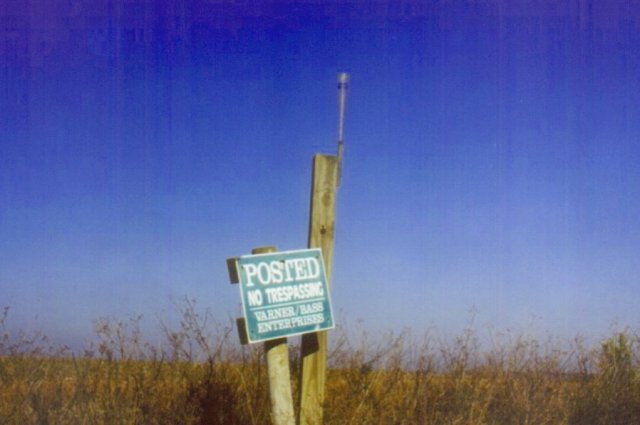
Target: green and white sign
[[284, 294]]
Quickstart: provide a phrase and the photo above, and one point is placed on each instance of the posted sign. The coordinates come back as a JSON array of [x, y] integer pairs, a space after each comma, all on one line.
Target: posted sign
[[284, 294]]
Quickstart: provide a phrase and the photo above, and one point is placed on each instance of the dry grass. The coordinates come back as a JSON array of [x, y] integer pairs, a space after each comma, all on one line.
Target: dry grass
[[199, 375]]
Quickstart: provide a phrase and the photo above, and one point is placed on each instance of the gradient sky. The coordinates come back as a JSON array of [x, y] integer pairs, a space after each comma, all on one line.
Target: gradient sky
[[492, 159]]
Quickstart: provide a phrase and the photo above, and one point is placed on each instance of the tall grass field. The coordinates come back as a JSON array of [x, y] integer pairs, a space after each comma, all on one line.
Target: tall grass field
[[199, 374]]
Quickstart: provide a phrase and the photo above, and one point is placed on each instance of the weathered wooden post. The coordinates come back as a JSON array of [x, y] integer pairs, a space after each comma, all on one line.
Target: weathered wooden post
[[327, 170], [278, 369], [277, 353]]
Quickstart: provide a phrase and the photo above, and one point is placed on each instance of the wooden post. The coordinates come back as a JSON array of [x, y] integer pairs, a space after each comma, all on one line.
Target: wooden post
[[321, 234], [278, 369]]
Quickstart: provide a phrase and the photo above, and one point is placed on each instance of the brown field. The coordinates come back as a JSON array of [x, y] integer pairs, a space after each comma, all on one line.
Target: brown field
[[199, 375]]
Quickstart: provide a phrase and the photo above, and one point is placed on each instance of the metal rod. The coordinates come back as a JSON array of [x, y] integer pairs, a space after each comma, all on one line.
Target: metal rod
[[343, 85]]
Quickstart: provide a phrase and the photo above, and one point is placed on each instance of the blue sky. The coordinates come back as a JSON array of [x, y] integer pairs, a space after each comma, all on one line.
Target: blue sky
[[492, 165]]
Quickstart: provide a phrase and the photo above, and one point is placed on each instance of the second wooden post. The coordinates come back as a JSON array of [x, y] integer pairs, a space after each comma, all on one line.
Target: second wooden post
[[321, 235]]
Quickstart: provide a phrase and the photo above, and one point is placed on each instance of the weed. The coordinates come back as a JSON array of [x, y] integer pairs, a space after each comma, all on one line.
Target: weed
[[200, 375]]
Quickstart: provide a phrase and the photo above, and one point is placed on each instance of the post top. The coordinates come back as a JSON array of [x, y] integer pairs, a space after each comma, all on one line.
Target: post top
[[263, 249]]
